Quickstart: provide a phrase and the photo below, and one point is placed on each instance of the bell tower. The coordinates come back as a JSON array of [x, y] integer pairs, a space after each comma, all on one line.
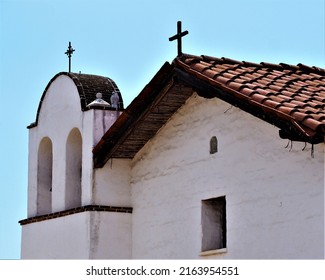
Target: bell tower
[[70, 213]]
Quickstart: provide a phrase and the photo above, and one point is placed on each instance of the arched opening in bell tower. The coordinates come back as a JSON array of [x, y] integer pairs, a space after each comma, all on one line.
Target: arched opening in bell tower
[[73, 169], [44, 177]]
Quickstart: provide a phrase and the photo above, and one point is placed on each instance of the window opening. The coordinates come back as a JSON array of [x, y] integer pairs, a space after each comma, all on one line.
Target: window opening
[[213, 145], [213, 219]]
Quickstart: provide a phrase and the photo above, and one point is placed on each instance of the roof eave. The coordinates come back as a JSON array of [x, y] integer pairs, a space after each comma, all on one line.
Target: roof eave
[[288, 127], [137, 110], [208, 88]]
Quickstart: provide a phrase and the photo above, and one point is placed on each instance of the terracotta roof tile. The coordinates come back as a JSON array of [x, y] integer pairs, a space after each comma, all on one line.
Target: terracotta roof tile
[[271, 103], [297, 91]]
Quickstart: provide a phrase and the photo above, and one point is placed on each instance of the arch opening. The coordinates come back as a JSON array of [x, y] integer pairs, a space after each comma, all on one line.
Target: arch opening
[[73, 169], [44, 177]]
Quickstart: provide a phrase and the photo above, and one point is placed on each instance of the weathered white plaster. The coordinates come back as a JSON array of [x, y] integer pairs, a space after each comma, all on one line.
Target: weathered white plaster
[[103, 120], [111, 235], [275, 197], [87, 235], [112, 184], [65, 237]]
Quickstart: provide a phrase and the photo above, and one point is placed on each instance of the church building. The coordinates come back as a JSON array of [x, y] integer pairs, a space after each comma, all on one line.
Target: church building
[[214, 158]]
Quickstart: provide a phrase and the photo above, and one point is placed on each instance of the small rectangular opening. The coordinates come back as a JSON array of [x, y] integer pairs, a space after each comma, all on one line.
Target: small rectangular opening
[[213, 220]]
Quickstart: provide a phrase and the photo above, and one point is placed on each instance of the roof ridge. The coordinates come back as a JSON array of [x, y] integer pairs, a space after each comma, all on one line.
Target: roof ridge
[[280, 66], [314, 69]]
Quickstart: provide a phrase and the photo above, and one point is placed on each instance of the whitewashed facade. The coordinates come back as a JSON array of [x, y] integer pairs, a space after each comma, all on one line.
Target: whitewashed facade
[[275, 197]]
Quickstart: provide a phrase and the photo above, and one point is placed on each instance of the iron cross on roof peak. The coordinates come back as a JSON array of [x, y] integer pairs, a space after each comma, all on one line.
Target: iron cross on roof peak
[[179, 36], [69, 53]]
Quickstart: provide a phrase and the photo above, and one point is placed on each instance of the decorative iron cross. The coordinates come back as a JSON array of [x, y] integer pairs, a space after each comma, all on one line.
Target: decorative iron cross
[[69, 53], [179, 36]]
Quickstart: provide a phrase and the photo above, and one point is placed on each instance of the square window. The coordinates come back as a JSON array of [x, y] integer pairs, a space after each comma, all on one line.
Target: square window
[[213, 220]]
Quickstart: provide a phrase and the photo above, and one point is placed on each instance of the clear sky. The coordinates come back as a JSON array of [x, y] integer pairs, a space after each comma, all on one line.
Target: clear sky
[[128, 42]]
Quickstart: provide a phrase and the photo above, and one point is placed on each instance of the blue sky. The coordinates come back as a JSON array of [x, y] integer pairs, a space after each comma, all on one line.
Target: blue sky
[[128, 42]]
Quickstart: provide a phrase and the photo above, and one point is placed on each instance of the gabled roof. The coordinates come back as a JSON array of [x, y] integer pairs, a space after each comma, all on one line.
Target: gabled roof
[[290, 97], [88, 86]]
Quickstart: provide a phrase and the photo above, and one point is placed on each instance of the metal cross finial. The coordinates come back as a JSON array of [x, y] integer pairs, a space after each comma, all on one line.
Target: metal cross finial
[[69, 53], [179, 36]]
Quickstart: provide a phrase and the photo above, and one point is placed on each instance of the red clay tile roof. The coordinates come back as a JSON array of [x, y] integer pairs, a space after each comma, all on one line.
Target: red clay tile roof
[[292, 93], [88, 86], [290, 97]]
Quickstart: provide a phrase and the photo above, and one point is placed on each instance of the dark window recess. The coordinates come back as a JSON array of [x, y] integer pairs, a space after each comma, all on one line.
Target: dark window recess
[[213, 145], [213, 219]]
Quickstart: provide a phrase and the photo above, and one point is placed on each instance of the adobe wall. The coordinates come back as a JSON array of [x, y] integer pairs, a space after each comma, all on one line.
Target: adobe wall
[[85, 235], [112, 184], [274, 195]]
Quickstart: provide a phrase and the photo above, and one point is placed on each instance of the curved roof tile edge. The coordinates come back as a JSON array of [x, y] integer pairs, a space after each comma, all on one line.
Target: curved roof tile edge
[[187, 63]]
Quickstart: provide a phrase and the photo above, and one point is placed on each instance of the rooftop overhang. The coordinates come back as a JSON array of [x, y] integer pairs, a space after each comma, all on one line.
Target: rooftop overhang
[[168, 90], [289, 128], [141, 120]]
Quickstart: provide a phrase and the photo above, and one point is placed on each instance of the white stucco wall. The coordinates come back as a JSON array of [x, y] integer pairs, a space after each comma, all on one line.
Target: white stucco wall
[[65, 237], [86, 235], [275, 197], [111, 236], [112, 184]]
